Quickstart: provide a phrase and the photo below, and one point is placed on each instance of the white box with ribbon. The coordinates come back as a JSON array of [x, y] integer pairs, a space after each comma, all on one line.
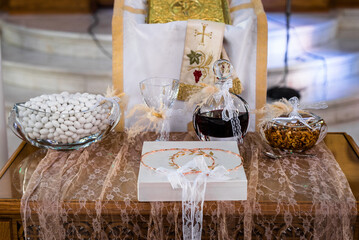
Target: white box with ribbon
[[165, 166]]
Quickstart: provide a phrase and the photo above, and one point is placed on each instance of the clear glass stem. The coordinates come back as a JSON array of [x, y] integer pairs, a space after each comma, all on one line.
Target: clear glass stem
[[164, 133]]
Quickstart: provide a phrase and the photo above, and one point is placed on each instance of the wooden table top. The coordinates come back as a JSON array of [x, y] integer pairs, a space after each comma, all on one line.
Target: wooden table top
[[342, 146]]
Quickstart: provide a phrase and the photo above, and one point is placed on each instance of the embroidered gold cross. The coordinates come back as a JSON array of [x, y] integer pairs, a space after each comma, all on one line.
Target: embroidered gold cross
[[203, 33]]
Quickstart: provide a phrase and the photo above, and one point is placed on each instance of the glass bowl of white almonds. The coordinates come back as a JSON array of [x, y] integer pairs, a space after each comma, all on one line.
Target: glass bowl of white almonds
[[64, 121]]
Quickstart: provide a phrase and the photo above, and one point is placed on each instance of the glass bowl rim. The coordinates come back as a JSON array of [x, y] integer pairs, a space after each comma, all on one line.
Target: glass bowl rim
[[316, 119], [22, 104], [160, 85]]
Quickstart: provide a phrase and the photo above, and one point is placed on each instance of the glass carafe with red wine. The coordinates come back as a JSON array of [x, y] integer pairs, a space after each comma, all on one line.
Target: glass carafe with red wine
[[224, 115]]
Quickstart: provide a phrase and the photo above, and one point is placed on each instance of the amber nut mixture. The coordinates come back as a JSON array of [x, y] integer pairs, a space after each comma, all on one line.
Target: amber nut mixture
[[292, 136]]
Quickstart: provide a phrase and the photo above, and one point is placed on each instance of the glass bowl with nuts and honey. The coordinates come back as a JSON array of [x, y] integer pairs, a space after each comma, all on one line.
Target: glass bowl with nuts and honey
[[294, 134]]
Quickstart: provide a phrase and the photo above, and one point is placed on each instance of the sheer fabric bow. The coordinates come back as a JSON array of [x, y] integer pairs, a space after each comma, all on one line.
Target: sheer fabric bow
[[193, 192]]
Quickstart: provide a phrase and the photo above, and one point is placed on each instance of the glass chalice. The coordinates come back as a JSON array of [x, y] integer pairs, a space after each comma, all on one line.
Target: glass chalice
[[159, 94]]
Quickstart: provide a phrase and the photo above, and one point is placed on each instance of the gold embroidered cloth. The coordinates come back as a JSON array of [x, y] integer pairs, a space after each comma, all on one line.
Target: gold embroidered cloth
[[92, 194], [163, 11]]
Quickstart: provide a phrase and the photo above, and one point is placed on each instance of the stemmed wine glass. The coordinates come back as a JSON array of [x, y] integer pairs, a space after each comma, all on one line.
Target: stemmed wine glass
[[159, 94]]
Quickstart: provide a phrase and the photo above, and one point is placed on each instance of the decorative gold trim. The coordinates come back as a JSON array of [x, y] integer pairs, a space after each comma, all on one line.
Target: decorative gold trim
[[261, 58], [194, 150], [186, 90], [117, 59], [241, 7], [135, 10]]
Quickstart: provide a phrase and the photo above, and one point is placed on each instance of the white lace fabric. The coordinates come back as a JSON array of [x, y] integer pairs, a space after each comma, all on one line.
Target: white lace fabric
[[92, 194]]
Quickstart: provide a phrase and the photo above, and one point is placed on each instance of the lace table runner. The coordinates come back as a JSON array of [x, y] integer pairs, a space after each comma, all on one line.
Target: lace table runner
[[92, 194]]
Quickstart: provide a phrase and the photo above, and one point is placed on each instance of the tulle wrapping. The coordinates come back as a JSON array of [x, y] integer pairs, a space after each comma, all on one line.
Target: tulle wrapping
[[92, 194]]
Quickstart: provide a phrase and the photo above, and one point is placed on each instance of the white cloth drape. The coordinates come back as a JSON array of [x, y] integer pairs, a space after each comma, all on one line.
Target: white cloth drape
[[156, 50]]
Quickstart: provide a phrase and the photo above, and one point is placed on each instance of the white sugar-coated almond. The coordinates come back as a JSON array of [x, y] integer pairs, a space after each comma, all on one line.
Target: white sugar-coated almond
[[31, 123], [99, 97], [50, 136], [36, 134], [60, 131], [94, 130], [49, 125], [83, 109], [88, 125], [77, 124], [72, 119], [87, 114], [36, 129], [68, 123], [56, 134], [97, 123], [55, 123], [53, 108], [82, 99], [39, 125], [80, 131], [68, 133], [72, 129], [59, 99], [37, 99], [93, 121], [52, 98], [61, 120], [44, 131], [57, 139], [51, 130], [89, 119], [55, 115], [78, 115], [82, 120], [51, 102], [70, 140], [63, 136], [44, 120], [63, 127], [69, 107], [89, 104], [103, 127], [28, 130], [32, 117], [31, 135]]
